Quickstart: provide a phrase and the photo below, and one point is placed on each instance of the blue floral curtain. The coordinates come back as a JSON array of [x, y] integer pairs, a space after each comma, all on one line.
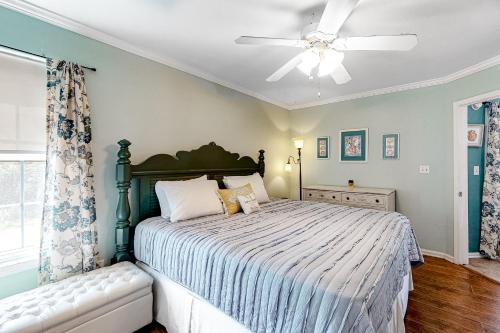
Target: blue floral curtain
[[69, 235], [490, 221]]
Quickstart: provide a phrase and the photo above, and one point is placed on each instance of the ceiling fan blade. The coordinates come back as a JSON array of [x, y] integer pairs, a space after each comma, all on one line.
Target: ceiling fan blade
[[403, 42], [335, 14], [249, 40], [340, 75], [286, 68]]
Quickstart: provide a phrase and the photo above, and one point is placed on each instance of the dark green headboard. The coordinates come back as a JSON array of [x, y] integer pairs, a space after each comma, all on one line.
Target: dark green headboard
[[211, 160]]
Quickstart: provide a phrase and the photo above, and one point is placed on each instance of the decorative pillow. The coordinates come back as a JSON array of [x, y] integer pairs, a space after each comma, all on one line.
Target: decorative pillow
[[187, 200], [254, 180], [249, 203], [162, 196], [229, 198]]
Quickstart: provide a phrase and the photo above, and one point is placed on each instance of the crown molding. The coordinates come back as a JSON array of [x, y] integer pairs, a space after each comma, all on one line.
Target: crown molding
[[71, 25], [82, 29], [410, 86]]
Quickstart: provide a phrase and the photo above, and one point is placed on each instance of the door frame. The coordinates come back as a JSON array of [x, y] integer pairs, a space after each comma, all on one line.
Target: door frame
[[460, 202]]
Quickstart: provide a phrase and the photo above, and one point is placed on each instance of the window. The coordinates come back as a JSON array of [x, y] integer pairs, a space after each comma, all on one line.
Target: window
[[22, 160]]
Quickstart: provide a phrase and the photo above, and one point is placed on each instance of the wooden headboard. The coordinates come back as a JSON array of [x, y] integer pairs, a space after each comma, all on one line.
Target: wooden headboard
[[211, 160]]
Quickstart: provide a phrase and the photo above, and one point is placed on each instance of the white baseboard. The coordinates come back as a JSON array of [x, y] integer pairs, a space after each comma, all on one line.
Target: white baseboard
[[473, 255], [438, 254]]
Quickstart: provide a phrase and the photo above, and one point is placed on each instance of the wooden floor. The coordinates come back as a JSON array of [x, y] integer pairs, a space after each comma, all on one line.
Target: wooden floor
[[447, 298], [451, 298]]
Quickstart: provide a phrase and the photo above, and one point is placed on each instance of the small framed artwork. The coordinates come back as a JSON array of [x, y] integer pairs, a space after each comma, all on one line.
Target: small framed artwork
[[475, 135], [353, 145], [390, 146], [323, 147]]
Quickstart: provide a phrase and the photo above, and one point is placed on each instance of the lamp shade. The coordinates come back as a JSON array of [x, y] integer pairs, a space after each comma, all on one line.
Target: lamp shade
[[298, 142], [330, 59], [288, 167], [310, 60]]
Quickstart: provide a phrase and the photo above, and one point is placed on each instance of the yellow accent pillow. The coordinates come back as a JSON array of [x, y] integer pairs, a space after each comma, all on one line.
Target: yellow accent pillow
[[229, 198]]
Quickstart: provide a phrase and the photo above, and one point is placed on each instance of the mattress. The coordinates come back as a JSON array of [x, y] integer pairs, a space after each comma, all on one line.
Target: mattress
[[181, 311], [292, 267]]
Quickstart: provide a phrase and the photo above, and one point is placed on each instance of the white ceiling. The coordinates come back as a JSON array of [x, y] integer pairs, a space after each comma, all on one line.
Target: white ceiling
[[198, 36]]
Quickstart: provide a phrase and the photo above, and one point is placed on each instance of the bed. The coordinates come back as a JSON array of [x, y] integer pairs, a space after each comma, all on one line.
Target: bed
[[292, 267]]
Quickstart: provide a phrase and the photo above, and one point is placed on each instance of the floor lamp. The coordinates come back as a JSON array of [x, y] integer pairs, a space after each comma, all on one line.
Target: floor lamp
[[299, 144]]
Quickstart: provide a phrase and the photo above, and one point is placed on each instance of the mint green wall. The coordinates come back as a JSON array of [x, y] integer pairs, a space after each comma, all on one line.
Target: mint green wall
[[475, 156], [159, 109], [424, 119], [18, 282]]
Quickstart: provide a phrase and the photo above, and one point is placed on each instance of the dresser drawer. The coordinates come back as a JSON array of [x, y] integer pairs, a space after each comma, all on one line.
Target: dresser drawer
[[333, 197], [364, 200], [324, 196], [373, 198]]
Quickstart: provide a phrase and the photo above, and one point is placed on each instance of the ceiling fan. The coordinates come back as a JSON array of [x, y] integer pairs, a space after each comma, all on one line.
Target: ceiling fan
[[323, 46]]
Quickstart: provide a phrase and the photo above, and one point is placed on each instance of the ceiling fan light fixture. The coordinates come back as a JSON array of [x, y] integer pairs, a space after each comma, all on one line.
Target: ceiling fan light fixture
[[324, 47], [330, 60], [305, 68], [310, 60]]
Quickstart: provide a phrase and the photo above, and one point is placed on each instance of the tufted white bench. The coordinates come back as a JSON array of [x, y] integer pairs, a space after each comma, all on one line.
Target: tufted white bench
[[117, 298]]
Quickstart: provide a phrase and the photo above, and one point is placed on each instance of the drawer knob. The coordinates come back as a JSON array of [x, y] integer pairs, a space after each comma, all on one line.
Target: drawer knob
[[377, 201], [310, 194], [333, 197], [321, 195], [347, 198]]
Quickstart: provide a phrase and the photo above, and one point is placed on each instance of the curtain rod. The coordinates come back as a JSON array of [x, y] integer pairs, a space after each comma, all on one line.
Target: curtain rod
[[93, 69]]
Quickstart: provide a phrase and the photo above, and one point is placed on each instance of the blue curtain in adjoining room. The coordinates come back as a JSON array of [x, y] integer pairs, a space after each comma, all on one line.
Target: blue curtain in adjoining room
[[490, 215], [69, 233]]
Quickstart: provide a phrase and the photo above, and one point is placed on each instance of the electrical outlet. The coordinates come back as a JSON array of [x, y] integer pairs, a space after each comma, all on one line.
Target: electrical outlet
[[476, 170], [424, 169]]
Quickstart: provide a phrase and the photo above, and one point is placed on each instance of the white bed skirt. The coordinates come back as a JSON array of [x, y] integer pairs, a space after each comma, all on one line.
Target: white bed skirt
[[182, 311]]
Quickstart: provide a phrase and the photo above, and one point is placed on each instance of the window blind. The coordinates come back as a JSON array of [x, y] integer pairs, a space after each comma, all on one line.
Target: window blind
[[22, 107]]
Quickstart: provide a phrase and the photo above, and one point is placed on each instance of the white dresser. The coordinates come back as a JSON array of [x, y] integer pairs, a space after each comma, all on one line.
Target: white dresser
[[375, 198]]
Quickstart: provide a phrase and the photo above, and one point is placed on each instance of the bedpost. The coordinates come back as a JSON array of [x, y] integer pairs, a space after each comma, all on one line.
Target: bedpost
[[262, 164], [123, 177]]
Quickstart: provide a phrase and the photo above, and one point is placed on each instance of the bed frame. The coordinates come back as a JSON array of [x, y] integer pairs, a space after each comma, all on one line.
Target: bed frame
[[211, 160]]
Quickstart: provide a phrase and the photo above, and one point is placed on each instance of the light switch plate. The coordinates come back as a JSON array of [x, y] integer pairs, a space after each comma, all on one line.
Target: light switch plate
[[424, 169], [476, 170]]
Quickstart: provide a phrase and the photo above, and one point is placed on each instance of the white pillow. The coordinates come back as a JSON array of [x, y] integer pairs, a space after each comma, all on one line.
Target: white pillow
[[162, 196], [248, 203], [254, 180], [187, 200]]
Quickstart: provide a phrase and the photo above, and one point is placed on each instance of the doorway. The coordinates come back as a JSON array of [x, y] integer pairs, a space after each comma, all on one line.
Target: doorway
[[460, 194]]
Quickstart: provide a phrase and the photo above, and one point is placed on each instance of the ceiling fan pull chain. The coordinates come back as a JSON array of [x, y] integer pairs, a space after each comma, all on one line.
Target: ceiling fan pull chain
[[319, 87]]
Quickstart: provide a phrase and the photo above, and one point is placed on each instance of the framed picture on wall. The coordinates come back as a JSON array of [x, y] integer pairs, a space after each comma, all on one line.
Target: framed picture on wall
[[390, 146], [475, 135], [353, 145], [323, 147]]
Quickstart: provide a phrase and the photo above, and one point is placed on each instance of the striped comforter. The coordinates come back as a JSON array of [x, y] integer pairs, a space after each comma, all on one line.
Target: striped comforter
[[295, 266]]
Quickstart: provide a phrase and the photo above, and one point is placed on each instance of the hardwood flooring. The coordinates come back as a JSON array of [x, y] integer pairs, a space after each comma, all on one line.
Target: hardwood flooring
[[152, 328], [451, 298], [446, 298]]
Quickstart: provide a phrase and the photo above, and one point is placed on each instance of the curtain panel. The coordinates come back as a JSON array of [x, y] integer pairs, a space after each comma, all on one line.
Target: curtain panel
[[69, 234], [490, 215]]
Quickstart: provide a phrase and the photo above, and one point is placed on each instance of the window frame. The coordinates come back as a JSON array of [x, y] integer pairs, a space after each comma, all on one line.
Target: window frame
[[18, 260], [26, 257]]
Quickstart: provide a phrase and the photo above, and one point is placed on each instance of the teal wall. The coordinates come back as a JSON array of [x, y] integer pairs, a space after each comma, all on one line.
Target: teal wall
[[424, 119], [475, 156], [19, 282], [158, 108]]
